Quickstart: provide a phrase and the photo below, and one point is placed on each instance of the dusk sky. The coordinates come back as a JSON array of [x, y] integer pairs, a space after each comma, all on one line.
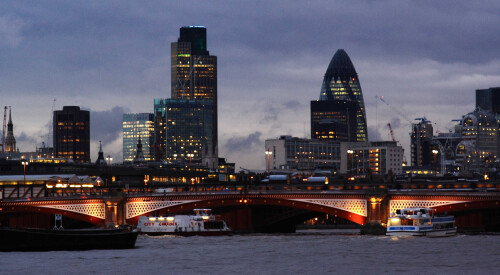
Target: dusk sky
[[426, 58]]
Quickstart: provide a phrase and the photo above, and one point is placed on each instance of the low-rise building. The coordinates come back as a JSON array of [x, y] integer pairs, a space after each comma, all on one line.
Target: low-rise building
[[292, 153], [378, 157]]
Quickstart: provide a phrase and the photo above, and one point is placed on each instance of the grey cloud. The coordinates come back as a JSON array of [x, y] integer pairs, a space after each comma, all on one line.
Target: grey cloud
[[373, 134], [26, 139], [107, 125], [292, 104], [395, 123], [11, 30], [244, 143], [271, 56]]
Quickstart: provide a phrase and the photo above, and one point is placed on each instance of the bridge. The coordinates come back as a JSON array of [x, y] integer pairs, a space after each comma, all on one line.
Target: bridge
[[247, 209]]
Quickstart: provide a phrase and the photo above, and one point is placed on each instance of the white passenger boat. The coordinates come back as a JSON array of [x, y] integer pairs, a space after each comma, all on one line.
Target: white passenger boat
[[201, 223], [420, 222]]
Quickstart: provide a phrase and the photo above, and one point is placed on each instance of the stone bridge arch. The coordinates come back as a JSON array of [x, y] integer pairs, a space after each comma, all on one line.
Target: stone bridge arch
[[352, 209], [90, 211]]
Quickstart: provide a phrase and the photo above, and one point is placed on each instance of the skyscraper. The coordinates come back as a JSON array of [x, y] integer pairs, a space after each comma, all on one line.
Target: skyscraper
[[489, 99], [135, 127], [160, 129], [72, 134], [194, 77], [333, 120], [188, 129], [341, 83]]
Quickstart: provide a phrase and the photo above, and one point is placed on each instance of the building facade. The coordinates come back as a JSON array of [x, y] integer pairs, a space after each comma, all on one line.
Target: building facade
[[295, 153], [380, 157], [160, 129], [333, 120], [421, 144], [189, 131], [341, 83], [71, 130], [488, 99], [479, 146], [353, 158], [135, 127], [194, 77]]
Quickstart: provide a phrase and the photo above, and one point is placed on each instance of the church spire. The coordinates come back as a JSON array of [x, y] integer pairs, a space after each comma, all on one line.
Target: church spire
[[10, 141], [100, 159], [139, 156]]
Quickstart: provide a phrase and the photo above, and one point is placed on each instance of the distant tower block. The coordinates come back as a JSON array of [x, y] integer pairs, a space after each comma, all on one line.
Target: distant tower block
[[72, 134]]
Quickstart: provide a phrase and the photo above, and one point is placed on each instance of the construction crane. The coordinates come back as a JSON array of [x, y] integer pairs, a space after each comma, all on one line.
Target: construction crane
[[381, 98], [392, 132], [4, 127]]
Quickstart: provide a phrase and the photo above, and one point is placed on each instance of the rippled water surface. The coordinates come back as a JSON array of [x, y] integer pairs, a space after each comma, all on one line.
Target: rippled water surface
[[305, 252]]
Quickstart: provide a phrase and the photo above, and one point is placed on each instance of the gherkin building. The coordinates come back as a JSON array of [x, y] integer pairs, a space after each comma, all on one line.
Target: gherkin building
[[341, 84]]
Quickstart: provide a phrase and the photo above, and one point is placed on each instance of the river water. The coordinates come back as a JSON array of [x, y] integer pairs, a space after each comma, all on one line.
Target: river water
[[304, 252]]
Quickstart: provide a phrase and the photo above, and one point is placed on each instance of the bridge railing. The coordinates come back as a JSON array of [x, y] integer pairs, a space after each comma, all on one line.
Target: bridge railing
[[16, 192]]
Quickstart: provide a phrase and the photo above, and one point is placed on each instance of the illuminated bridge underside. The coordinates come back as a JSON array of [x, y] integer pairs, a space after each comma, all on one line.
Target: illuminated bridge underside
[[353, 209], [91, 209], [355, 206], [137, 208], [400, 204]]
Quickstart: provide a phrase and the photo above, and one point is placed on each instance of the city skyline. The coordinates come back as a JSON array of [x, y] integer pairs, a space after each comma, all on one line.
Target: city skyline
[[271, 64]]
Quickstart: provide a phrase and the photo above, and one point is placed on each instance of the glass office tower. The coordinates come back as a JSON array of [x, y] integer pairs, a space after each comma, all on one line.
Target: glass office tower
[[160, 131], [194, 77], [135, 126], [341, 83], [189, 130]]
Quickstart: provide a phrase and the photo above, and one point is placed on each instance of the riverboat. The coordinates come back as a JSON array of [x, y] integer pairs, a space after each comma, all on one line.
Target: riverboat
[[32, 239], [420, 222], [201, 223]]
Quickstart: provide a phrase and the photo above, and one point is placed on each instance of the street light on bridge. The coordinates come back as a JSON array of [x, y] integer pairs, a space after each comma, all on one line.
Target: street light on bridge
[[350, 152], [268, 153], [190, 156], [109, 159], [24, 162], [435, 152]]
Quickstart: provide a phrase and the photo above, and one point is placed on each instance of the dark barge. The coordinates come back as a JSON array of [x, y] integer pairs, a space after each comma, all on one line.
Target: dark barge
[[30, 239]]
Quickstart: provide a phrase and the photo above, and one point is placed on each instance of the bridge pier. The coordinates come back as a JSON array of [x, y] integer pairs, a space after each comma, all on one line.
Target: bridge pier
[[115, 208], [378, 206]]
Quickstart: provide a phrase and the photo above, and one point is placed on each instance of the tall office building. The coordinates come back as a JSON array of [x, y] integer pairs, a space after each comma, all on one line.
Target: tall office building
[[72, 134], [135, 127], [421, 143], [341, 83], [489, 99], [333, 120], [160, 129], [189, 130], [194, 77]]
